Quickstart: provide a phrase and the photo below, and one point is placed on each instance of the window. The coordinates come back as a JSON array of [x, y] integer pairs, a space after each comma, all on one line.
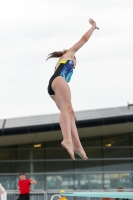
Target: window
[[88, 181], [88, 166], [117, 165]]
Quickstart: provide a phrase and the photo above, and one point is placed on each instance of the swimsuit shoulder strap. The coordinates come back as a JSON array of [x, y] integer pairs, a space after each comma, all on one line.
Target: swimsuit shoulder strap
[[61, 61]]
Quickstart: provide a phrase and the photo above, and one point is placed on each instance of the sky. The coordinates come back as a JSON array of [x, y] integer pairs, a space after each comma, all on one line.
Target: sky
[[31, 29]]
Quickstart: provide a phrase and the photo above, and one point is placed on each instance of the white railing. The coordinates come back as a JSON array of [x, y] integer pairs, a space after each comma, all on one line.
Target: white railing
[[55, 195]]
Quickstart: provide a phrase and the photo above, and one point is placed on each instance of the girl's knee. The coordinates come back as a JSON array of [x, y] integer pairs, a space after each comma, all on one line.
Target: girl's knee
[[71, 111], [68, 109]]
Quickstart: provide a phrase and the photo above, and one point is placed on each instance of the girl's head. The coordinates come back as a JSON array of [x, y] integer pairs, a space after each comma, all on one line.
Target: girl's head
[[56, 54]]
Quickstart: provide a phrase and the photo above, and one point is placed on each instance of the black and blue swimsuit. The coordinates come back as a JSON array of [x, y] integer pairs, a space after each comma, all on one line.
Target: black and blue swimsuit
[[65, 69]]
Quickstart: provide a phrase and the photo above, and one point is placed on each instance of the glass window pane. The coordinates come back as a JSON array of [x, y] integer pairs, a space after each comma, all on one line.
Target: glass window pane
[[117, 165], [91, 142], [39, 166], [60, 181], [61, 166], [7, 154], [88, 181], [8, 181], [56, 153], [131, 139], [23, 154], [132, 156], [38, 153], [93, 152], [40, 179], [114, 180], [7, 167], [119, 140], [51, 144], [24, 167], [110, 152], [89, 165]]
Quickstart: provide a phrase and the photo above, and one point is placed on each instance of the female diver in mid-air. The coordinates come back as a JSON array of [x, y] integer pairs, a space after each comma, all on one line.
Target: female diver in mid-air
[[59, 91]]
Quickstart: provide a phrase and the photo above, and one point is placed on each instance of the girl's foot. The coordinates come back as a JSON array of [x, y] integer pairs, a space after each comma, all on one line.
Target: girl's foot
[[80, 151], [69, 147], [81, 154]]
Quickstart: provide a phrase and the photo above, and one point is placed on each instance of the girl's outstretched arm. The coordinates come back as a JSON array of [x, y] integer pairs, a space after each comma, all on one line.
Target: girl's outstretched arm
[[84, 38]]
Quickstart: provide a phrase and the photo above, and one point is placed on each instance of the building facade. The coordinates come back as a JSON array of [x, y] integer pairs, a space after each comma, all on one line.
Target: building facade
[[32, 145]]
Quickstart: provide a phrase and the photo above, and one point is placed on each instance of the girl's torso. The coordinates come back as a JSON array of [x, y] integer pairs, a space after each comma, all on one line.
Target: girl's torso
[[64, 68]]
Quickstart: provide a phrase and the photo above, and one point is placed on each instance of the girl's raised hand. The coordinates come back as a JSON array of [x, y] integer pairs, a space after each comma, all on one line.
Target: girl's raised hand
[[93, 23]]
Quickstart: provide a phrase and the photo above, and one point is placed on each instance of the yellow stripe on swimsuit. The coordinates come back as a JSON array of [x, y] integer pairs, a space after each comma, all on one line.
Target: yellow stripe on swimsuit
[[60, 62]]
